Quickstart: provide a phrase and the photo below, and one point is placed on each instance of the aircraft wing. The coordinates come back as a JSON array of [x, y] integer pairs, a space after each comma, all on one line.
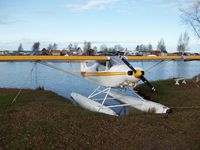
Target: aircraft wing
[[88, 58], [52, 58], [163, 57]]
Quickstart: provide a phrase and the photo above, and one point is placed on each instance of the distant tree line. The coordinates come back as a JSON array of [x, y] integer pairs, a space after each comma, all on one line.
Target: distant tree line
[[147, 48], [115, 48], [144, 48], [89, 49]]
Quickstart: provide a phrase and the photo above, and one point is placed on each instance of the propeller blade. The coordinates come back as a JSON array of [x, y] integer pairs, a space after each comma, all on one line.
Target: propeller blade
[[142, 77], [148, 83], [128, 64]]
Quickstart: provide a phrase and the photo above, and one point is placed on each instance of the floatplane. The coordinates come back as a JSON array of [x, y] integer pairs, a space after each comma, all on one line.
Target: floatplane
[[110, 72]]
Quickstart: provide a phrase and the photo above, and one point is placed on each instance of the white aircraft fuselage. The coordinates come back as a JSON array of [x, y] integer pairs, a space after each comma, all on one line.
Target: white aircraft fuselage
[[115, 76]]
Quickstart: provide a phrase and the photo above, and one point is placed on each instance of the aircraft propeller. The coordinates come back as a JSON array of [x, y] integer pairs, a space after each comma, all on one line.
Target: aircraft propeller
[[139, 74]]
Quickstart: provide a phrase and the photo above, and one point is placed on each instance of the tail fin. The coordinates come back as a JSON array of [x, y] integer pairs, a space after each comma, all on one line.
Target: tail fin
[[83, 66]]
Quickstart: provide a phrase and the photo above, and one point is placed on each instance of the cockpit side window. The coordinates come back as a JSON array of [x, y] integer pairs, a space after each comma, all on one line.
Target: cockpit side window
[[103, 65]]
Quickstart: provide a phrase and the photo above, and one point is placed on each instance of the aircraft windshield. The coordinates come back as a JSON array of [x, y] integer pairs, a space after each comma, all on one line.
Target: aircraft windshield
[[115, 60], [103, 65]]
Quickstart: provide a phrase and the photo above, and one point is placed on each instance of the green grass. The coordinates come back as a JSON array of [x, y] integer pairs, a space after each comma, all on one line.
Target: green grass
[[173, 95], [43, 120]]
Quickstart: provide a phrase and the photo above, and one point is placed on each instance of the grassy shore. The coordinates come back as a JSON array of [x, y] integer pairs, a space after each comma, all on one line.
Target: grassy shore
[[40, 119]]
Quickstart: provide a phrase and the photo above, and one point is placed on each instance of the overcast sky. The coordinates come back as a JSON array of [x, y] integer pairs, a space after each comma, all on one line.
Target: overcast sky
[[128, 22]]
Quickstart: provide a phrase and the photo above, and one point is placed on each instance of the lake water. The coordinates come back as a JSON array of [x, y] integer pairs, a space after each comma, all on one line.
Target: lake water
[[32, 75]]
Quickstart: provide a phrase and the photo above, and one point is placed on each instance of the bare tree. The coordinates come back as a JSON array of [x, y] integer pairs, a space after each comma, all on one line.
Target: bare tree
[[104, 48], [55, 46], [191, 16], [150, 47], [118, 47], [161, 46], [137, 48], [183, 43], [73, 46], [20, 48], [87, 46], [36, 46], [144, 48], [70, 46], [50, 47]]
